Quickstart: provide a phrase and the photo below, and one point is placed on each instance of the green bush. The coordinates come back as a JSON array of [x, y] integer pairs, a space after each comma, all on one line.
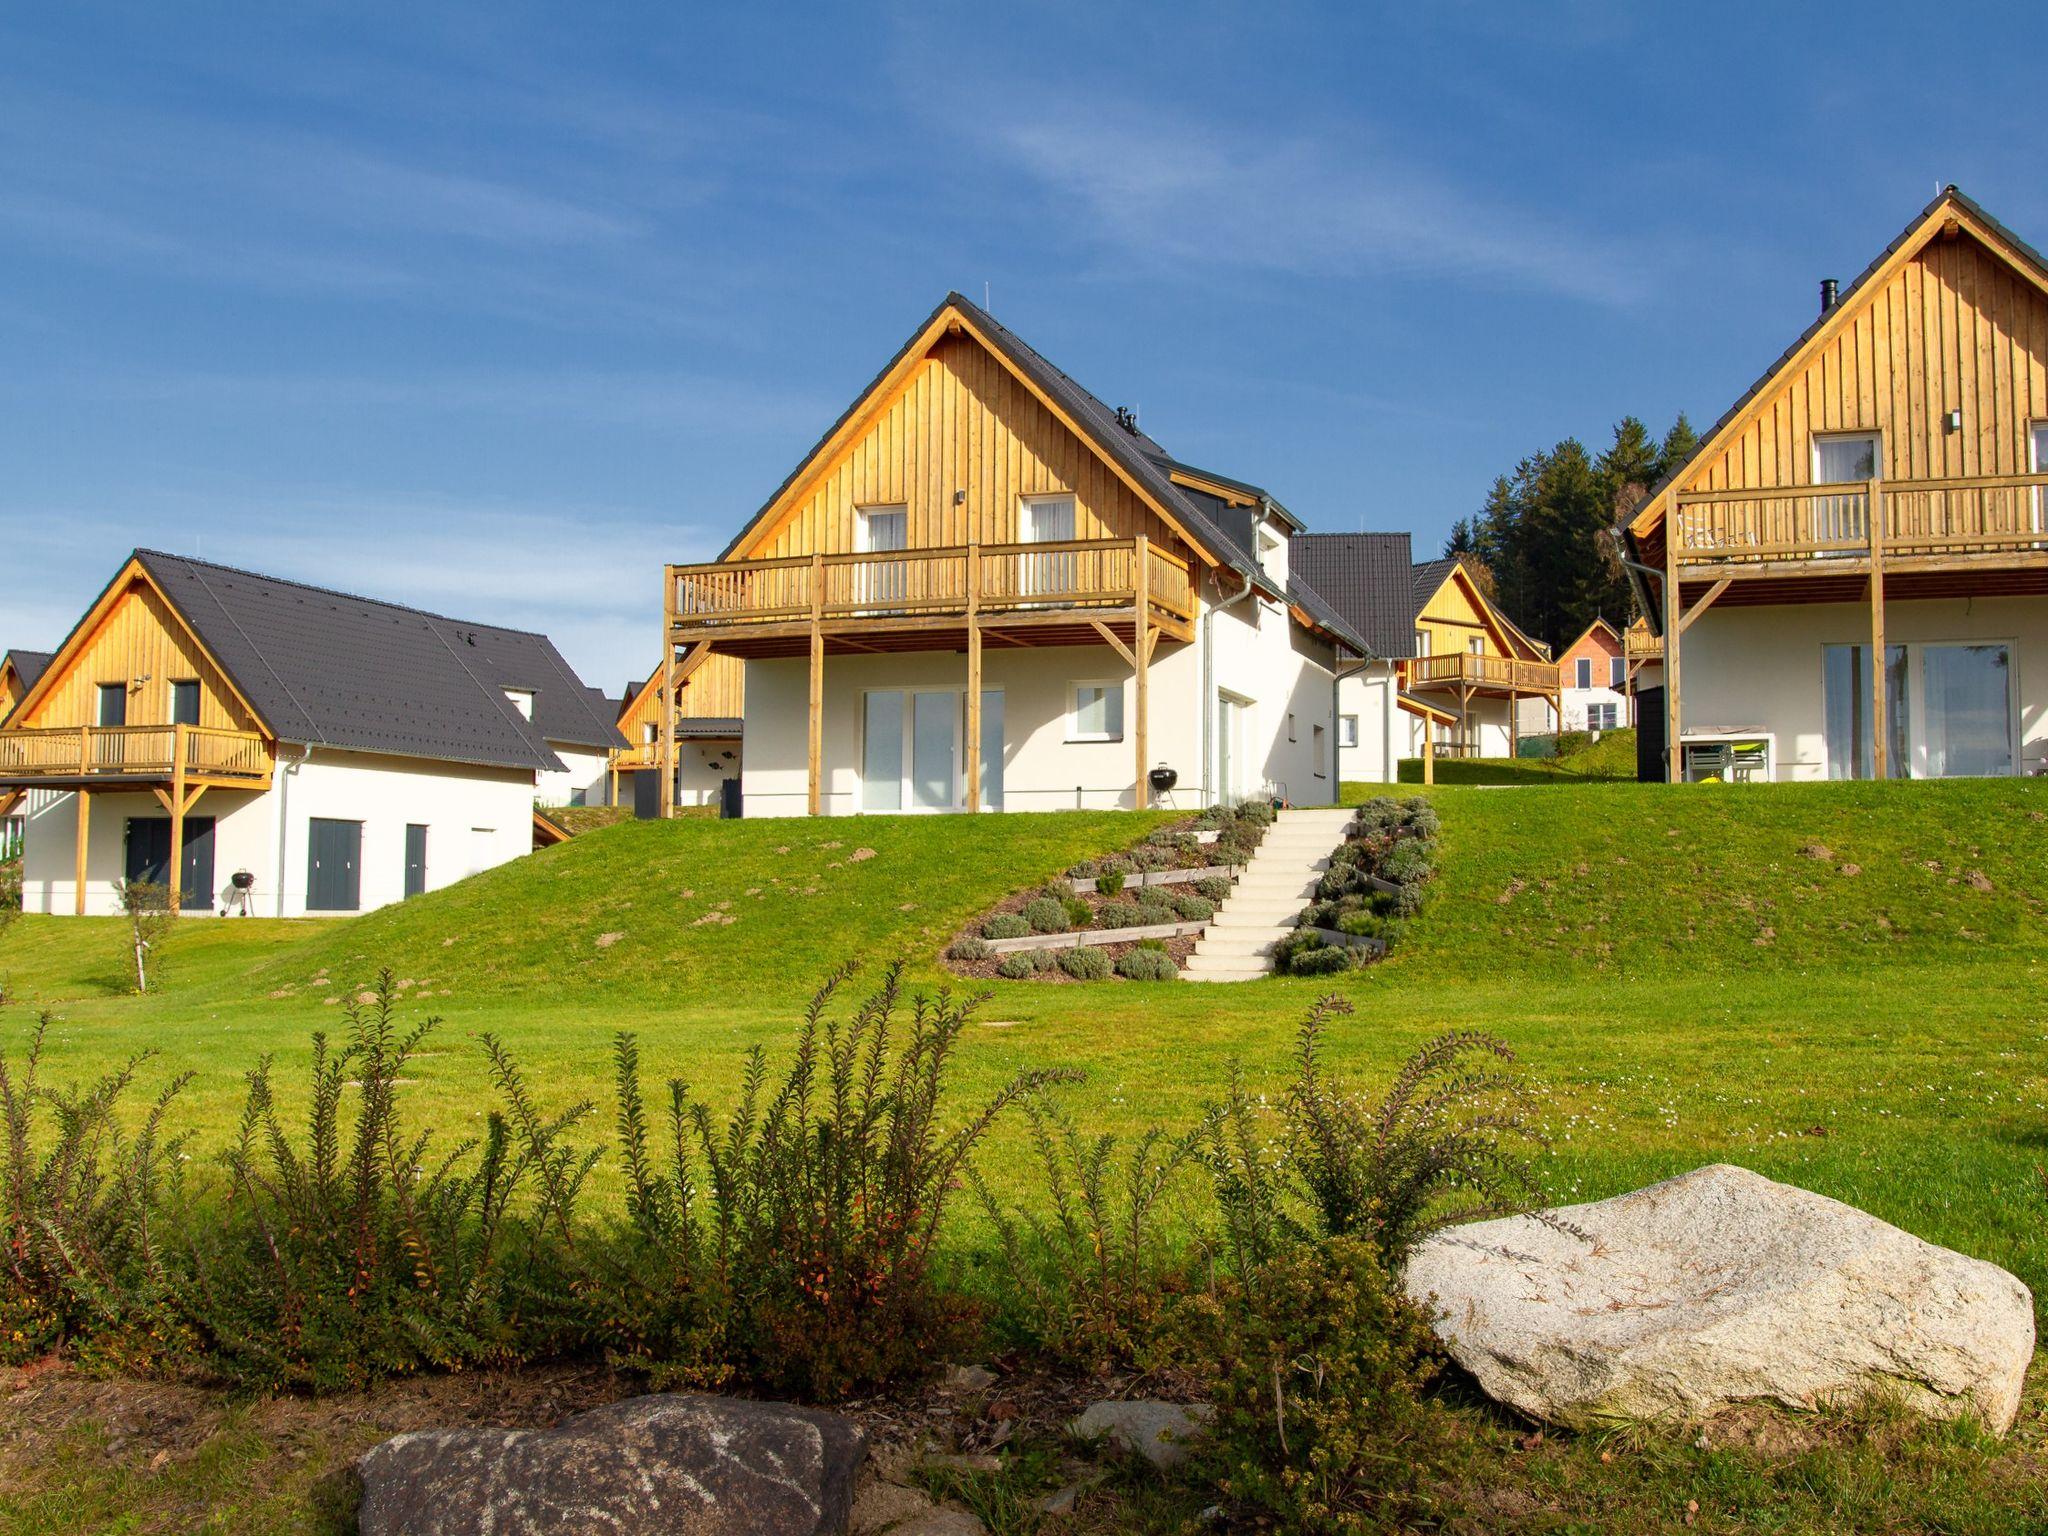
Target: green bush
[[1109, 882], [1323, 960], [1409, 862], [1044, 915], [1018, 964], [1257, 813], [1087, 869], [1147, 965], [969, 947], [1157, 898], [1044, 959], [1079, 913], [1089, 962], [1320, 1371], [1119, 914], [1005, 925], [1147, 857], [1193, 909], [1213, 888]]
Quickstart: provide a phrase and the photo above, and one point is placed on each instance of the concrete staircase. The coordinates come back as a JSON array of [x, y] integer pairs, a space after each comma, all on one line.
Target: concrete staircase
[[1269, 895]]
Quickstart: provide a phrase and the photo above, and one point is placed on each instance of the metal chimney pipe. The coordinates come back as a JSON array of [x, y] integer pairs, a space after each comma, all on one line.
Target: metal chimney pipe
[[1830, 294]]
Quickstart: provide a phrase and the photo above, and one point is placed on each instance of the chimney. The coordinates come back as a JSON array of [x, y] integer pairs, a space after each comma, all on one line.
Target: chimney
[[1830, 294]]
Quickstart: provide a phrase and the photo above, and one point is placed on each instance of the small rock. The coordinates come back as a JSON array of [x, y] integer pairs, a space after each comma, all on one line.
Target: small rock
[[969, 1378], [885, 1506], [1977, 880], [1160, 1432], [1061, 1501], [673, 1462]]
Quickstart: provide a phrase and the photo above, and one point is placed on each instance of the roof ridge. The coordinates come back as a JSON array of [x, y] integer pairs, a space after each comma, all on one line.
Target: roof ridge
[[196, 562]]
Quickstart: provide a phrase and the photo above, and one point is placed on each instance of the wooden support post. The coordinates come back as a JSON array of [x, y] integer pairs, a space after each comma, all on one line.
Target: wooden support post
[[84, 798], [817, 699], [1428, 750], [973, 743], [664, 706], [1141, 652], [1674, 604], [177, 869], [1514, 724], [1878, 754]]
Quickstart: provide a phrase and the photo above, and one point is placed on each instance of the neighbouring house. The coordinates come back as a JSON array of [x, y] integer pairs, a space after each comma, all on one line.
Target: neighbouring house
[[283, 748], [705, 751], [985, 589], [1447, 668], [1856, 557], [1593, 681], [19, 670]]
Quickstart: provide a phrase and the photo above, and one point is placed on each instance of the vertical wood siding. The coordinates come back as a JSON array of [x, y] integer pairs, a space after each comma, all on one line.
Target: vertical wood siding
[[1955, 328], [961, 422], [1449, 617], [138, 637]]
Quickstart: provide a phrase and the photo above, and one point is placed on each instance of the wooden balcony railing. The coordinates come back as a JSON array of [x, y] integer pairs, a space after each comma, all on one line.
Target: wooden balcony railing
[[1463, 670], [1923, 520], [133, 752], [898, 585]]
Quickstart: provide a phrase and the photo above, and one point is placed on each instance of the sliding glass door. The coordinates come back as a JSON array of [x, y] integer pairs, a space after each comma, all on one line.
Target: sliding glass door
[[1966, 692], [913, 745], [1850, 731]]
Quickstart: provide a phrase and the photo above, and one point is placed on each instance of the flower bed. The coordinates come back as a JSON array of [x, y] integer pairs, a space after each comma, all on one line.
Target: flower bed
[[1152, 899], [1376, 883]]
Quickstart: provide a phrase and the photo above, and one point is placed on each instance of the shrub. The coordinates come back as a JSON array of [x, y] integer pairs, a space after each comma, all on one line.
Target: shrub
[[1044, 959], [1109, 882], [1194, 909], [1091, 1274], [969, 947], [1044, 915], [1005, 925], [1087, 869], [1018, 964], [1119, 914], [1089, 962], [147, 907], [1318, 1369], [1322, 960], [1147, 965], [1257, 813], [1156, 899], [1147, 857], [1079, 913], [1405, 902], [1420, 818], [1213, 888], [1410, 862]]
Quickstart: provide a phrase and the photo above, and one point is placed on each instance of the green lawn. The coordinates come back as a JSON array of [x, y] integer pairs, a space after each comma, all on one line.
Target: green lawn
[[1612, 758], [1837, 984]]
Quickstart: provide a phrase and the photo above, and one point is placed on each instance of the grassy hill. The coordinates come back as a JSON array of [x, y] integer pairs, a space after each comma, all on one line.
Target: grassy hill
[[1612, 757]]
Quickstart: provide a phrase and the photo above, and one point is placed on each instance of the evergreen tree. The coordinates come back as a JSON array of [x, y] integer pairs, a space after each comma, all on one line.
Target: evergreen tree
[[1679, 444]]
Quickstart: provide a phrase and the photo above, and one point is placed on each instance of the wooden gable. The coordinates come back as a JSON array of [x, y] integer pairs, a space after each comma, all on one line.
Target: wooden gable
[[1955, 318], [11, 688], [953, 432], [1457, 611], [712, 687], [134, 636]]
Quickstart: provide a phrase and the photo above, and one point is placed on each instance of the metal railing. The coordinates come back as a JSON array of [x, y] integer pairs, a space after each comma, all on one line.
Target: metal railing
[[1973, 515]]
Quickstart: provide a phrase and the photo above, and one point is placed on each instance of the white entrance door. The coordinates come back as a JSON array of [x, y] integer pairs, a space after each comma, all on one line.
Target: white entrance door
[[1230, 772]]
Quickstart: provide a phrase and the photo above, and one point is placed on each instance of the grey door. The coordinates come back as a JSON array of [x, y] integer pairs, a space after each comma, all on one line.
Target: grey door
[[415, 859], [148, 857], [334, 856]]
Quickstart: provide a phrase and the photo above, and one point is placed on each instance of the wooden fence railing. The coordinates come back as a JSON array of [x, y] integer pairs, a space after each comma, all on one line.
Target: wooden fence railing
[[132, 751], [1458, 669], [1966, 516], [886, 584]]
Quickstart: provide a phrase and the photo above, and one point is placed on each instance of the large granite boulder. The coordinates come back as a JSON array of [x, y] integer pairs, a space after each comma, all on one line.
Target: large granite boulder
[[680, 1463], [1721, 1287]]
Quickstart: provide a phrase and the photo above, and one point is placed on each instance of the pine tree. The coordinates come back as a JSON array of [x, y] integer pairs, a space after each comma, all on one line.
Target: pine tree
[[1679, 444]]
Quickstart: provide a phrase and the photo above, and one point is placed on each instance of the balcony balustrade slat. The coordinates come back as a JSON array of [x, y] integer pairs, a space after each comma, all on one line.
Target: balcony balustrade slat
[[1967, 516], [131, 751]]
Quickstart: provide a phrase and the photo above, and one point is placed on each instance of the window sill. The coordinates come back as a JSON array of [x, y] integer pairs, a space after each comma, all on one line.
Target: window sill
[[1092, 741]]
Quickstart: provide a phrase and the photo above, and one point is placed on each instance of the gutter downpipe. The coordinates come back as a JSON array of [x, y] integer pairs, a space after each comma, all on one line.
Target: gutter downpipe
[[1209, 613], [286, 771], [1663, 586]]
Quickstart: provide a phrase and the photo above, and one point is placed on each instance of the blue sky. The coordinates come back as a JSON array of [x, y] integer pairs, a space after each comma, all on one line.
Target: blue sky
[[493, 309]]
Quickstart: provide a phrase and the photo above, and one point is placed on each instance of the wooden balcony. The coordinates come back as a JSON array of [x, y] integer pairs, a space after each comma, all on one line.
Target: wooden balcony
[[1464, 673], [93, 756], [1050, 593], [1982, 521]]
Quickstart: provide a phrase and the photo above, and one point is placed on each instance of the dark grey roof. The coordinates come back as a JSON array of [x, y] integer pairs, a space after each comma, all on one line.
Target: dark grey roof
[[712, 727], [29, 665], [1368, 578], [332, 669], [1140, 455], [1429, 575]]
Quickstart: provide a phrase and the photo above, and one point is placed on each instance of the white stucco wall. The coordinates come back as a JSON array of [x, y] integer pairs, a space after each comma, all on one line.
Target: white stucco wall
[[475, 818], [1384, 736], [1760, 669], [1577, 706], [585, 780], [701, 767], [1254, 653]]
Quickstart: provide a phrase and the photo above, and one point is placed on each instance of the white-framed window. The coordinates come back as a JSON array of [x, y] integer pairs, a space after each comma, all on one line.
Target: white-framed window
[[1967, 709], [1476, 645], [1045, 520], [878, 530], [1422, 642], [1617, 672], [1600, 717], [1347, 730], [1319, 740], [1095, 712], [1585, 673], [650, 733]]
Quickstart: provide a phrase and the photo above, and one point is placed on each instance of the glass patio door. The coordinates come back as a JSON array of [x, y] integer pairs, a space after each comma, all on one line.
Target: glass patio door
[[934, 751], [1845, 701], [882, 529], [1838, 460], [1046, 520], [992, 749], [1966, 691]]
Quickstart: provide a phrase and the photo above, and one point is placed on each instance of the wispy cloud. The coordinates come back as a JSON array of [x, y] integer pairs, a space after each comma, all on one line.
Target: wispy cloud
[[1170, 190]]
